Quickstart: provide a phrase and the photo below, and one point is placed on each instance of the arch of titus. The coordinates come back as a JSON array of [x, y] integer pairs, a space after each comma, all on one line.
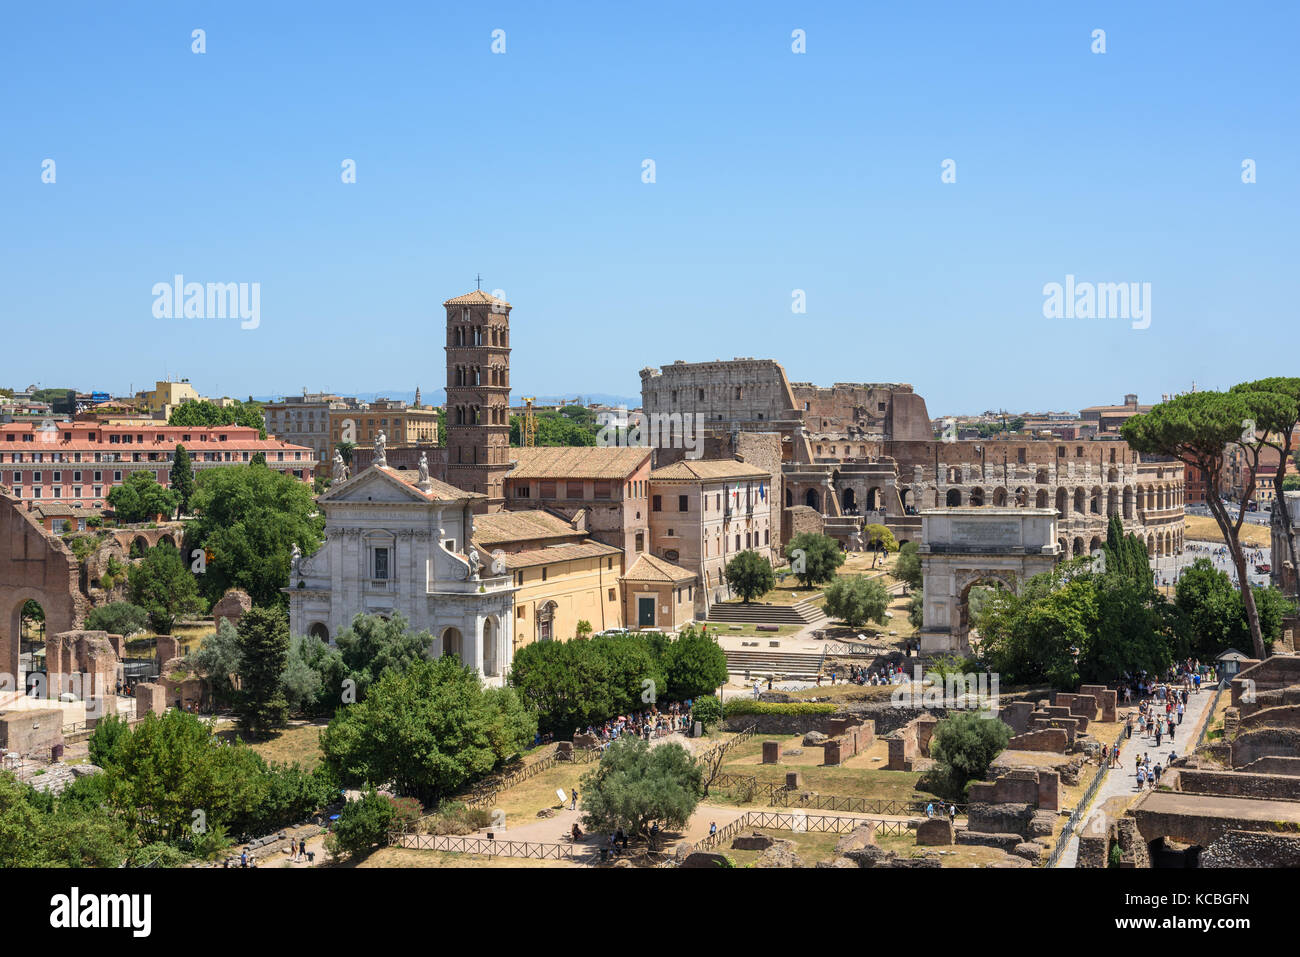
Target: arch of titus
[[961, 547]]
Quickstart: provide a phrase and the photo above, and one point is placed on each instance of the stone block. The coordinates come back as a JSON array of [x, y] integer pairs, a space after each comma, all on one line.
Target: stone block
[[150, 698], [793, 780], [933, 832]]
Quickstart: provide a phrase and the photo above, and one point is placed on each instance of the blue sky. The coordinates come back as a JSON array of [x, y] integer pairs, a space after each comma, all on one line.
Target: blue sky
[[774, 172]]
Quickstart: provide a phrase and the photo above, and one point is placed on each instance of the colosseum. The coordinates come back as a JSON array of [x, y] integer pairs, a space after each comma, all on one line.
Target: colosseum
[[858, 452]]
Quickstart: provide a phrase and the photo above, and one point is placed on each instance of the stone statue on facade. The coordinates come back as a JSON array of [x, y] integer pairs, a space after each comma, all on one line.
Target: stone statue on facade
[[340, 467], [473, 564], [424, 471], [381, 449], [295, 558]]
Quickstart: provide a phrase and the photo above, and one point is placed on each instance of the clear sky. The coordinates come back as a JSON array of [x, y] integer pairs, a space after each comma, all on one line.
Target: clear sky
[[774, 172]]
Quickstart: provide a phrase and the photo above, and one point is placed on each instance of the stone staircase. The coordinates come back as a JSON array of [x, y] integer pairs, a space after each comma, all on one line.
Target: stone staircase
[[806, 612], [790, 664]]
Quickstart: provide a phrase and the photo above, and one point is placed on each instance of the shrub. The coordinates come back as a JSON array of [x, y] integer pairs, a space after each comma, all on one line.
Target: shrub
[[966, 744], [707, 710], [453, 817], [363, 824], [743, 706]]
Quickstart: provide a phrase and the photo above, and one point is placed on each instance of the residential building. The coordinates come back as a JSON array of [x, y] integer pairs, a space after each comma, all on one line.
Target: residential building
[[703, 513], [562, 576], [603, 489], [79, 462]]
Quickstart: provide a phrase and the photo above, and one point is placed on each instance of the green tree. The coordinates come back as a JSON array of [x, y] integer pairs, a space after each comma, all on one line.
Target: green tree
[[345, 449], [707, 710], [250, 519], [141, 499], [429, 730], [302, 682], [814, 557], [182, 479], [201, 414], [636, 785], [1198, 429], [916, 610], [877, 536], [694, 665], [104, 740], [750, 575], [118, 618], [855, 600], [161, 584], [372, 646], [362, 825], [965, 744], [261, 704], [1279, 439], [220, 658]]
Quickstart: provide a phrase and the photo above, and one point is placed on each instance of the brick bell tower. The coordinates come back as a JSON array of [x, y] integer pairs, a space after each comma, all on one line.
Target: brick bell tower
[[478, 395]]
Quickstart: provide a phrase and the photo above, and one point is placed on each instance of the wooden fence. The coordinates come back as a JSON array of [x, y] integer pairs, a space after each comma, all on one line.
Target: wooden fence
[[455, 844], [797, 822]]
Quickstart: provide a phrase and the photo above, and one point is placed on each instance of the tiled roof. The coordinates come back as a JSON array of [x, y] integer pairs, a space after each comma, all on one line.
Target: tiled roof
[[647, 568], [583, 461], [531, 557], [438, 491], [710, 470], [529, 525], [476, 298]]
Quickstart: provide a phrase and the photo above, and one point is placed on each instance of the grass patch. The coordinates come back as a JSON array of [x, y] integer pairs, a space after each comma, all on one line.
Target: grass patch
[[299, 744], [1203, 528]]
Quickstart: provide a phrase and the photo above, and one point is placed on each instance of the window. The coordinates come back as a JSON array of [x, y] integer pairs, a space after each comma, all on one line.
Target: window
[[519, 612], [522, 491], [381, 563], [683, 503], [546, 490], [611, 595], [544, 570], [656, 503], [601, 490]]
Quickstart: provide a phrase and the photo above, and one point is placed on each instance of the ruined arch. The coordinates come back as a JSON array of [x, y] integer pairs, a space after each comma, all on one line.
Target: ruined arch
[[812, 499], [1080, 501], [1062, 502], [1077, 549], [954, 498], [848, 498], [1094, 505], [1040, 499], [999, 497], [1112, 502], [977, 497]]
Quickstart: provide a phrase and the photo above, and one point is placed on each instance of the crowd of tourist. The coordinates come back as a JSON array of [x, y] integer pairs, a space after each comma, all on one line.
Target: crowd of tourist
[[652, 722]]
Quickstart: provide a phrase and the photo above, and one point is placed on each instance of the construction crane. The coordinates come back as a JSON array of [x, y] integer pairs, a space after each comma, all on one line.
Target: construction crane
[[530, 422]]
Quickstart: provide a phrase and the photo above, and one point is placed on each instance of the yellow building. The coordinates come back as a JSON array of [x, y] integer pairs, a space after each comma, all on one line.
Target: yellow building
[[562, 576], [402, 425], [165, 396]]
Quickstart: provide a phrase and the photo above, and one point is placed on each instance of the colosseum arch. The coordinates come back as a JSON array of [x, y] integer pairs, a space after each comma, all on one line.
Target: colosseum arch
[[954, 497], [1094, 504], [1130, 498], [1040, 499], [999, 497], [1077, 548], [977, 497], [1112, 476], [1080, 501], [1062, 502], [1112, 502]]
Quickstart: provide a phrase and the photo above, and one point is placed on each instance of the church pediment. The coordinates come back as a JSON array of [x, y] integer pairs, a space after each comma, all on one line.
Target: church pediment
[[373, 485]]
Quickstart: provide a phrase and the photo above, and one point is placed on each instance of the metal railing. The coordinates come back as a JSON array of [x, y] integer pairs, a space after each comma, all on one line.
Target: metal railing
[[1079, 808], [1209, 716]]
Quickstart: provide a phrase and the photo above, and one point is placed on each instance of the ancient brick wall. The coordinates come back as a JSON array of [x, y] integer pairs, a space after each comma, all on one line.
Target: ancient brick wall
[[34, 566]]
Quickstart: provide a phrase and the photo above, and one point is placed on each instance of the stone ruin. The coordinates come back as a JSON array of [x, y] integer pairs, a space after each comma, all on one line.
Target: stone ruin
[[910, 743], [847, 737], [231, 606], [1233, 803], [1058, 725], [1016, 812], [86, 664]]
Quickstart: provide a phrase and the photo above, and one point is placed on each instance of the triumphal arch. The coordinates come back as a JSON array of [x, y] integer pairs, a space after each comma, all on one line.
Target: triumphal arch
[[965, 546]]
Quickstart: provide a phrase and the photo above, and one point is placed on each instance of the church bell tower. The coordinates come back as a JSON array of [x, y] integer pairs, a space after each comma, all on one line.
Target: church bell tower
[[478, 395]]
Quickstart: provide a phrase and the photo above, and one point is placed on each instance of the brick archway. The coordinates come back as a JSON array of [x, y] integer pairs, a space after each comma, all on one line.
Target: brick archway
[[38, 567]]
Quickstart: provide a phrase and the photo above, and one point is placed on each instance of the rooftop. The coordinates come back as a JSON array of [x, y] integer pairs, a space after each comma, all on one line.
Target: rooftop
[[587, 461]]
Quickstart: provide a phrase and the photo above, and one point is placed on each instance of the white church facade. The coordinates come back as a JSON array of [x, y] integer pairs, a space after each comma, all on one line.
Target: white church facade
[[398, 543]]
